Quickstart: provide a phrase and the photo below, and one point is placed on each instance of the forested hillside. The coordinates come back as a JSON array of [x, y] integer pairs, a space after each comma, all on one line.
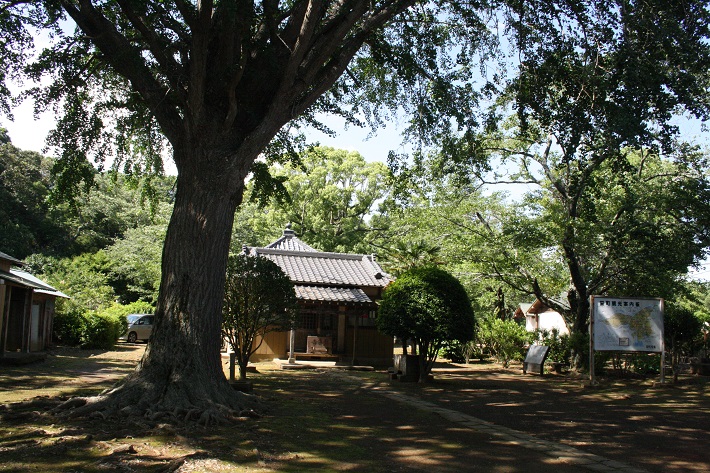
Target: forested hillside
[[104, 248]]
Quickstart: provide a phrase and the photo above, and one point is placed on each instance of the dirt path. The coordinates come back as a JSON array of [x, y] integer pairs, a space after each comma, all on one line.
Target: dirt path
[[658, 428], [321, 420]]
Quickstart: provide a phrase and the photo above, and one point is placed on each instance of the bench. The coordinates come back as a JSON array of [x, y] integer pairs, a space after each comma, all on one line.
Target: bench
[[558, 367]]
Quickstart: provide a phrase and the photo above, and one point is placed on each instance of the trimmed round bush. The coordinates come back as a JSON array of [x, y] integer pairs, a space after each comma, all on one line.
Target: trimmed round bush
[[101, 331], [430, 307]]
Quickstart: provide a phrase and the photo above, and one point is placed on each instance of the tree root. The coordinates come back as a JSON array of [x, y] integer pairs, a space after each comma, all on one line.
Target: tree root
[[130, 402]]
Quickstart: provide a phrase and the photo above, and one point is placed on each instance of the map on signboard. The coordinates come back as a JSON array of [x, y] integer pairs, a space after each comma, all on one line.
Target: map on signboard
[[623, 324]]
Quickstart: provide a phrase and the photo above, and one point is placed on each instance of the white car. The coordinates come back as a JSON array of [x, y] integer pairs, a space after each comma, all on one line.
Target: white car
[[139, 327]]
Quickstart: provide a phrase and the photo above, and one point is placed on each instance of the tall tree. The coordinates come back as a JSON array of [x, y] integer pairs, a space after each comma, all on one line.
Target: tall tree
[[331, 196], [594, 86], [216, 82], [605, 80]]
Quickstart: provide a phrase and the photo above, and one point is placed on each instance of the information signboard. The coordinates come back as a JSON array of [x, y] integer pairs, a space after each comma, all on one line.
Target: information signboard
[[627, 324]]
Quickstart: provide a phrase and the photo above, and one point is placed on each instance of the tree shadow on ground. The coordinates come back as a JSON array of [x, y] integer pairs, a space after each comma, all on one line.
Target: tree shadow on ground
[[320, 420], [636, 421]]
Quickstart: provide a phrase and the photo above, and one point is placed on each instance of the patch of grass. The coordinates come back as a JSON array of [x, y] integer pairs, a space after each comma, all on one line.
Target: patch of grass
[[313, 424], [68, 372], [333, 421]]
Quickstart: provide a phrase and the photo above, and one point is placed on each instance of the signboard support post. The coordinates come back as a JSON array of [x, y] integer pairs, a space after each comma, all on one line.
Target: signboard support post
[[663, 344], [592, 379], [663, 365], [626, 324]]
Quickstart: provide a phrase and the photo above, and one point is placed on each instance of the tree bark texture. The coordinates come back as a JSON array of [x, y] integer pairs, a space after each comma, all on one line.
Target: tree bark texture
[[181, 371], [227, 86]]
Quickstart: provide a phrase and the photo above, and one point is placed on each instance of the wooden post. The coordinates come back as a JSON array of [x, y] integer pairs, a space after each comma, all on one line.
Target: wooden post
[[663, 341], [342, 328], [232, 362], [5, 292], [3, 288], [26, 319], [355, 325], [592, 379]]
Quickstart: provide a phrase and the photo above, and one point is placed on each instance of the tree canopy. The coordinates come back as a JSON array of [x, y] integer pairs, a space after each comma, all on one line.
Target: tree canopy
[[259, 298], [430, 307], [328, 196], [595, 88]]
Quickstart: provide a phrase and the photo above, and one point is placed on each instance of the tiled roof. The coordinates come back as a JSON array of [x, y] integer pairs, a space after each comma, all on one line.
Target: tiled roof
[[9, 258], [316, 267], [307, 266], [290, 242], [332, 294]]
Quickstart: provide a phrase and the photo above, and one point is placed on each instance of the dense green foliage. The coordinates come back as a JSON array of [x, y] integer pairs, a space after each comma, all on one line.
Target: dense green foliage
[[440, 225], [95, 329], [102, 249], [331, 195], [37, 223], [618, 205], [101, 331], [560, 345], [504, 339], [428, 306], [328, 198], [28, 226], [639, 224], [682, 333], [258, 298], [120, 311]]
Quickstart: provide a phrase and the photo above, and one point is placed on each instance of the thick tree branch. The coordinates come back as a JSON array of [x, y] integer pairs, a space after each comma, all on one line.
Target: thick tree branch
[[188, 12], [600, 273], [327, 45], [198, 64], [158, 46], [127, 61]]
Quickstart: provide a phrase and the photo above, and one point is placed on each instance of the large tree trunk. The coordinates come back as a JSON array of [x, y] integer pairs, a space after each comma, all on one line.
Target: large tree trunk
[[181, 370], [578, 299]]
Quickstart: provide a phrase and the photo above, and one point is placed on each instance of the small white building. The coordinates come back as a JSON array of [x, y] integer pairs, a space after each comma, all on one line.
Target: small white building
[[540, 317]]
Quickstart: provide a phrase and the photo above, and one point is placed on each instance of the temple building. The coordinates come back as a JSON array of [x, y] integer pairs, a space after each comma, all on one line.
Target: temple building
[[337, 294]]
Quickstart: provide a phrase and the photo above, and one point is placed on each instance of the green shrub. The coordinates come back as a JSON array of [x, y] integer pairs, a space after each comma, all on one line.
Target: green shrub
[[90, 329], [505, 339], [120, 311], [68, 327], [454, 350], [430, 307], [560, 348], [463, 352], [101, 331]]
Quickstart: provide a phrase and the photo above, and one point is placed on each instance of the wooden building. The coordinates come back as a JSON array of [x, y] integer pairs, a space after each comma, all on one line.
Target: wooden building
[[26, 310], [337, 294], [539, 316]]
